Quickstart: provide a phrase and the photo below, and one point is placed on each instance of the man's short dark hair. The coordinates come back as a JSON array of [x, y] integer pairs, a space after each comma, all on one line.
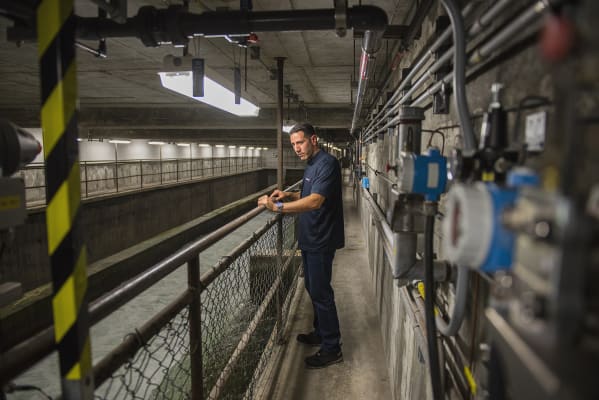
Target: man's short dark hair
[[305, 127]]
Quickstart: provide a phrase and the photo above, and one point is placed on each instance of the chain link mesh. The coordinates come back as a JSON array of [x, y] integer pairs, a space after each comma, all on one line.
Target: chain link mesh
[[239, 306]]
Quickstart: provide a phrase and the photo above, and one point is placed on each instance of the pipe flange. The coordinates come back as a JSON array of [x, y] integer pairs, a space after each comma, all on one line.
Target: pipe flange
[[341, 17]]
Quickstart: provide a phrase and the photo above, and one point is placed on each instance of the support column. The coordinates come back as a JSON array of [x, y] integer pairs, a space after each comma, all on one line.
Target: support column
[[56, 51], [280, 64]]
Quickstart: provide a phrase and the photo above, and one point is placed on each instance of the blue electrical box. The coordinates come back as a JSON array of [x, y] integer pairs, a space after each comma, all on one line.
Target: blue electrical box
[[365, 183]]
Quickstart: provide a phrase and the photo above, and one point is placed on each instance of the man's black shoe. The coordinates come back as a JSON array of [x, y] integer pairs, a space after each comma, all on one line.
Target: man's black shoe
[[311, 339], [323, 359]]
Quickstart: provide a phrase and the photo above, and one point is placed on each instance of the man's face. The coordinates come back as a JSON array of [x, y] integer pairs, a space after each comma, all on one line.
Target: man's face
[[304, 147]]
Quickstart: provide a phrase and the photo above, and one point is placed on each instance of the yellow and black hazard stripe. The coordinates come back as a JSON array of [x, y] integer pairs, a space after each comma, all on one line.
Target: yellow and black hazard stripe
[[56, 48]]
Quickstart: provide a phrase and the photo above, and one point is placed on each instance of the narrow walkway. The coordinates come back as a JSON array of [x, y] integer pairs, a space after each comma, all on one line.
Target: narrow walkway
[[363, 373]]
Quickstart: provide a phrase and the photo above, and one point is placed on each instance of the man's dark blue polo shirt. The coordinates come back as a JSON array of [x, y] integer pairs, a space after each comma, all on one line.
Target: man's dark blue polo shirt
[[322, 229]]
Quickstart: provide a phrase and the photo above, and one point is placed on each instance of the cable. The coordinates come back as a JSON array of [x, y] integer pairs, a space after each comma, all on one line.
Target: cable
[[430, 139], [429, 299], [459, 75], [458, 312]]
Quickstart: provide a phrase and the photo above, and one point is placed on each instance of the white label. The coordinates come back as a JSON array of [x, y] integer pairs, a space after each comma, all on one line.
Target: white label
[[535, 131], [432, 180]]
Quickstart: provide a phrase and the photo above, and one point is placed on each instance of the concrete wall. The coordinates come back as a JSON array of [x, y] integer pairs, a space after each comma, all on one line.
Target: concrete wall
[[402, 331], [270, 158], [112, 223], [522, 74], [139, 164]]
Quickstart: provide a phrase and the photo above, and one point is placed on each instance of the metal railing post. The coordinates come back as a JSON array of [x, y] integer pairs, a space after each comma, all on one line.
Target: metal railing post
[[280, 276], [280, 64], [85, 176], [195, 329], [116, 175], [141, 174]]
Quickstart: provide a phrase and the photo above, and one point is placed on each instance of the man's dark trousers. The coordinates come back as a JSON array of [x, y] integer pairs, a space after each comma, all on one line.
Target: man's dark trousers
[[318, 268]]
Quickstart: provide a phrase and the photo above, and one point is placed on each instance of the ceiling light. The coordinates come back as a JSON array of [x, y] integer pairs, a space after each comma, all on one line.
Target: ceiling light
[[220, 146], [79, 139], [242, 147], [265, 148], [157, 143], [215, 94], [231, 147], [251, 148], [118, 141], [203, 145], [183, 144]]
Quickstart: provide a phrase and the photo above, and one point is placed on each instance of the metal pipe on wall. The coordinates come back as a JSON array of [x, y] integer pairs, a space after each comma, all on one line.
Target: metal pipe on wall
[[415, 69], [484, 50], [400, 249], [476, 29]]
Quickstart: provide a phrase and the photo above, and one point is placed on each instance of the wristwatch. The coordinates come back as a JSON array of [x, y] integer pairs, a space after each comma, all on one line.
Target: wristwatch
[[279, 205]]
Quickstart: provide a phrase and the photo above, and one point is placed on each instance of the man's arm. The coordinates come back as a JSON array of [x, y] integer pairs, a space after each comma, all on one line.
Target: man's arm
[[312, 202], [279, 195]]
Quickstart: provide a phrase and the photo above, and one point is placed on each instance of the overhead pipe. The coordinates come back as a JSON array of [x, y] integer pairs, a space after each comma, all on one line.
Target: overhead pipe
[[371, 44], [175, 24]]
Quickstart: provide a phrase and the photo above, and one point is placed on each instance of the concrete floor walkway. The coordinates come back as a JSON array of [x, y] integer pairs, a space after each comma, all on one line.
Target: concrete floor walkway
[[363, 373]]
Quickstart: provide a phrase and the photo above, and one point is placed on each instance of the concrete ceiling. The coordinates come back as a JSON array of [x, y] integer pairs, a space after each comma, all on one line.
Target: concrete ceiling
[[121, 96]]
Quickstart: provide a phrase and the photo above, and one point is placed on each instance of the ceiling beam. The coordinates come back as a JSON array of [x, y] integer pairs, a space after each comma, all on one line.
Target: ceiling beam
[[181, 117], [250, 137]]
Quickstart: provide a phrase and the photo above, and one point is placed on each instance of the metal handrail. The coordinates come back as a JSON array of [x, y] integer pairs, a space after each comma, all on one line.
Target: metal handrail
[[27, 353]]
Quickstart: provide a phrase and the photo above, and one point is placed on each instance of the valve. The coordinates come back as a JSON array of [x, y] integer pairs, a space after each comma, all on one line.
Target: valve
[[493, 158], [475, 235], [389, 167]]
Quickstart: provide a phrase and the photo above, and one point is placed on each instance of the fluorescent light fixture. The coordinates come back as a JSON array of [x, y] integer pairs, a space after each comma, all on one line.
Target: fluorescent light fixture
[[265, 148], [232, 147], [220, 146], [157, 143], [203, 145], [183, 144], [251, 148], [79, 140], [215, 94], [288, 124], [242, 147], [119, 141]]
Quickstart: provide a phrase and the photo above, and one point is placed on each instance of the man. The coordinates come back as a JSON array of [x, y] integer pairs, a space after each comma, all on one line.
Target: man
[[320, 234]]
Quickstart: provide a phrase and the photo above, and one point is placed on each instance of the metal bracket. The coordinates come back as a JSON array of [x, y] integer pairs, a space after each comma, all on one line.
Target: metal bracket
[[340, 17]]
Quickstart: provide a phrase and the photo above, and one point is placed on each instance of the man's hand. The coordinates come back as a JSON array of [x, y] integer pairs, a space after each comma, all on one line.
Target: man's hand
[[278, 195], [266, 202]]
